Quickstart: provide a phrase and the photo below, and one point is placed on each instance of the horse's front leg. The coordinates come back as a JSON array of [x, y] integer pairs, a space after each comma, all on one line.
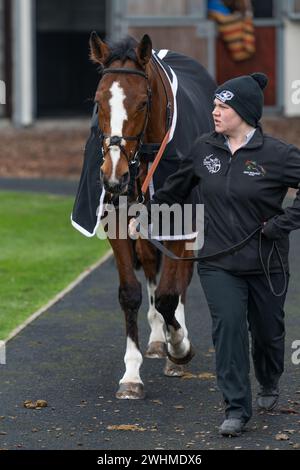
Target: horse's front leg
[[170, 296], [150, 261], [130, 297]]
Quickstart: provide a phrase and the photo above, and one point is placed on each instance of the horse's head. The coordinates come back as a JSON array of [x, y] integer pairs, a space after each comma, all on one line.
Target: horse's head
[[123, 97]]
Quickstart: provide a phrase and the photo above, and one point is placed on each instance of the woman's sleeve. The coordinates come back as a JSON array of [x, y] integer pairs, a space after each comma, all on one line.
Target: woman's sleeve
[[178, 186], [283, 224]]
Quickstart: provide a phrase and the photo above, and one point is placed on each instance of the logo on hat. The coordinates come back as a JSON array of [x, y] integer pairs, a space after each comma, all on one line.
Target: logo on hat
[[225, 95]]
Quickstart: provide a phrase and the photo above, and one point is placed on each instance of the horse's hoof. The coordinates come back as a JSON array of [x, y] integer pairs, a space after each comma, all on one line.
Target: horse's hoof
[[183, 360], [173, 370], [131, 391], [156, 350]]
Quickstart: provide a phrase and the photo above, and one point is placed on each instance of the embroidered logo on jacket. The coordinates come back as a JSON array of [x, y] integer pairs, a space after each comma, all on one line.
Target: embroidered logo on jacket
[[212, 164], [225, 95], [253, 169]]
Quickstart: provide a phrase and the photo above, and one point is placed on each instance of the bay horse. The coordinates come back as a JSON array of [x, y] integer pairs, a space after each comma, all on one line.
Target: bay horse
[[134, 98]]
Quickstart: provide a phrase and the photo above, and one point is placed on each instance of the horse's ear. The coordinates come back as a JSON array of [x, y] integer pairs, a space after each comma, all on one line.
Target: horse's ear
[[99, 51], [144, 50]]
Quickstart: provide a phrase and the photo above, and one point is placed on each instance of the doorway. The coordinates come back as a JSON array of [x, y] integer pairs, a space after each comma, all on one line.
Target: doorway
[[66, 79]]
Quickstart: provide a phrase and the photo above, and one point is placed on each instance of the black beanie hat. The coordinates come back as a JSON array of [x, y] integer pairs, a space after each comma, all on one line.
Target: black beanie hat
[[245, 95]]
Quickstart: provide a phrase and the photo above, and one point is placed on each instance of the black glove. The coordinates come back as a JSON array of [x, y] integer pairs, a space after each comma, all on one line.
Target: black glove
[[272, 231]]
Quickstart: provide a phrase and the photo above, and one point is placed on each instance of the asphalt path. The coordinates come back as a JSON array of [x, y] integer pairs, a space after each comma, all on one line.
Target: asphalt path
[[72, 357], [53, 186]]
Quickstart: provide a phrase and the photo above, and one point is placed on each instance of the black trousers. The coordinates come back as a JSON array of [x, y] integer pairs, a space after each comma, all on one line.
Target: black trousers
[[232, 301]]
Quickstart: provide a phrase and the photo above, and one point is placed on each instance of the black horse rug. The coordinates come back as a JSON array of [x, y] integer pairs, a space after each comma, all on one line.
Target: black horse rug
[[193, 92]]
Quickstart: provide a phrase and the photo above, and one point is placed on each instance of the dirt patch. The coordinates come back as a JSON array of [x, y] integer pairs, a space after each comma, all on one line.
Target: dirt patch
[[55, 150]]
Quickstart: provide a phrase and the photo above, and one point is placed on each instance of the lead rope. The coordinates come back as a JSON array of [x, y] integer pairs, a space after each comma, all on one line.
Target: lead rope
[[155, 164], [209, 257], [228, 251], [267, 270]]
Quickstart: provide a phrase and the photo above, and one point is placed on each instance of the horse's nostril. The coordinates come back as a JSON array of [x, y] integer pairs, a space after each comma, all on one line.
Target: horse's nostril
[[104, 179], [125, 178]]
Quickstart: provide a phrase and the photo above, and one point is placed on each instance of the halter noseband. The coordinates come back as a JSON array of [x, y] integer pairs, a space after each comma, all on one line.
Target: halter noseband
[[117, 140]]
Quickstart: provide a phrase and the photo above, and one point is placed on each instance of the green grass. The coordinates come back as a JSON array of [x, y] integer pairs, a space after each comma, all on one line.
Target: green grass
[[40, 253]]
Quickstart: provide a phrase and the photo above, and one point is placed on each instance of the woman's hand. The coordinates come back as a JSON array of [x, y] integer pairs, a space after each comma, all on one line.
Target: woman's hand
[[264, 223], [133, 228], [272, 231]]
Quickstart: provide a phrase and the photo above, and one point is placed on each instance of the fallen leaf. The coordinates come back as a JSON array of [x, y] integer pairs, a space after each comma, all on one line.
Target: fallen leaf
[[154, 429], [289, 411], [35, 404], [41, 403], [126, 427], [206, 376], [188, 375], [281, 437], [29, 404]]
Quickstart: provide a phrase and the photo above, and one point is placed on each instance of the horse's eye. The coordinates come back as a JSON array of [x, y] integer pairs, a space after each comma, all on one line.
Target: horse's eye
[[142, 105]]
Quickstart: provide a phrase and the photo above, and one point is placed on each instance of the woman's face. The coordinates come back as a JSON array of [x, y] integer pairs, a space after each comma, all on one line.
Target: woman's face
[[226, 119]]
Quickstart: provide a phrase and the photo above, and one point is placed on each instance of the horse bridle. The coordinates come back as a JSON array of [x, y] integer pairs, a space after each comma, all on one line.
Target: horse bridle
[[115, 140]]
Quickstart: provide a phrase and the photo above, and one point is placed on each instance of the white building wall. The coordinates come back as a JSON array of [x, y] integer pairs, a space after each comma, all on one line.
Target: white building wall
[[291, 68], [23, 93], [1, 53]]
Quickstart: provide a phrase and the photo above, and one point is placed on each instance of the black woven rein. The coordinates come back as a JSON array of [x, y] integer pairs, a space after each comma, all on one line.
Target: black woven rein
[[228, 251]]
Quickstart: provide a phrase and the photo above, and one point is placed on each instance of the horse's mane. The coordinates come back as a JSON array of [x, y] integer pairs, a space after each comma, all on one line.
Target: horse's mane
[[122, 50]]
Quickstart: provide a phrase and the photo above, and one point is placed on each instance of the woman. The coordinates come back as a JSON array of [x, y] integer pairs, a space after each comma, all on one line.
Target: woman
[[243, 177]]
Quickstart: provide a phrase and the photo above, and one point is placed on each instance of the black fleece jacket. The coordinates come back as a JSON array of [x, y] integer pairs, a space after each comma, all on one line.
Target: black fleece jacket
[[240, 192]]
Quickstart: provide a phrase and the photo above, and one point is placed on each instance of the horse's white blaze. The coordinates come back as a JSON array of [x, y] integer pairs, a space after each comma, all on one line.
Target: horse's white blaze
[[155, 319], [118, 115], [115, 157], [133, 360], [178, 342]]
